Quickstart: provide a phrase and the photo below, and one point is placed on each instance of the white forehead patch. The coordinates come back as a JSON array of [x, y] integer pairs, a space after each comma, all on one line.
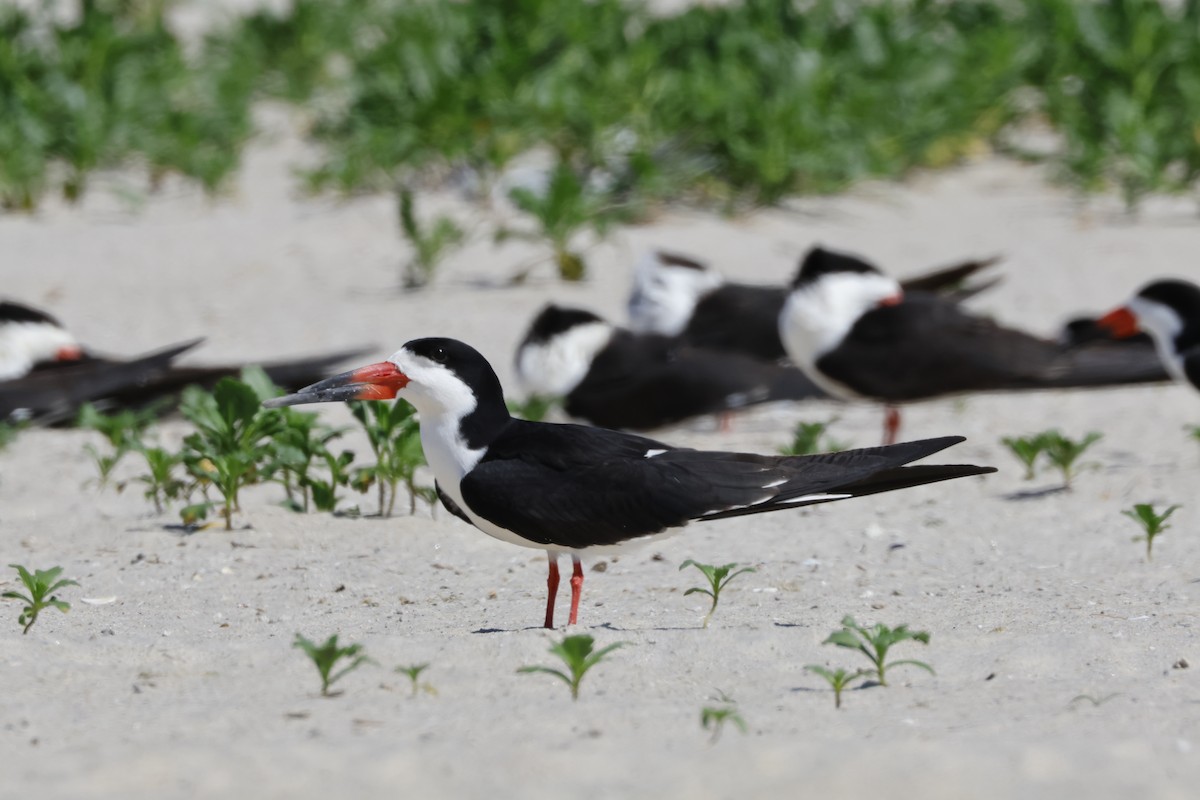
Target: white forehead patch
[[556, 366], [26, 344], [665, 295]]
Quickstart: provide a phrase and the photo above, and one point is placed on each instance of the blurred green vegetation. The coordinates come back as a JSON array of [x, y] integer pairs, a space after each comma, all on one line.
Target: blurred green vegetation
[[727, 106]]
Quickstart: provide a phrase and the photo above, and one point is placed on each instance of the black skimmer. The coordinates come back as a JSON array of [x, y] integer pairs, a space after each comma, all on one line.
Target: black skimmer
[[1169, 311], [46, 375], [677, 296], [615, 378], [573, 489], [858, 335]]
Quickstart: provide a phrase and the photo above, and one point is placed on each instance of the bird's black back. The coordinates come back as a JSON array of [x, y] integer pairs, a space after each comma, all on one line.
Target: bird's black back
[[643, 381], [927, 346], [572, 487]]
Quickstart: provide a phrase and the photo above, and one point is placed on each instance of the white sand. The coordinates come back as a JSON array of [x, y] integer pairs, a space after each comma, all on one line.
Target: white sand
[[187, 685]]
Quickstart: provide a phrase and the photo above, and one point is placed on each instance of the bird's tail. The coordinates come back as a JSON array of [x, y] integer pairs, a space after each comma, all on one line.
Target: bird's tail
[[856, 473], [952, 281]]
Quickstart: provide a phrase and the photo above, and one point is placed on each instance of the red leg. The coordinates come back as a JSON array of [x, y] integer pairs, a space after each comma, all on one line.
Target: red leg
[[891, 424], [725, 422], [576, 588], [552, 585]]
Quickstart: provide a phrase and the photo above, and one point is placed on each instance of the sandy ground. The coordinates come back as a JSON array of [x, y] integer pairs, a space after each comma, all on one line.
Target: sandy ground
[[186, 685]]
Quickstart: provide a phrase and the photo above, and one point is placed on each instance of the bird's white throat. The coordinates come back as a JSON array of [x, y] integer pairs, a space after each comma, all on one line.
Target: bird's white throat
[[26, 344], [442, 400], [554, 367], [1163, 325]]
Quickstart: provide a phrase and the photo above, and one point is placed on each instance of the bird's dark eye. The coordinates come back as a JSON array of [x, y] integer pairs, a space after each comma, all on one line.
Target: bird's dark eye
[[439, 355]]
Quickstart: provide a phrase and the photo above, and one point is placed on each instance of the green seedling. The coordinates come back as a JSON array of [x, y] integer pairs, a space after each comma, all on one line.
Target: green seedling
[[8, 433], [1194, 432], [1026, 449], [718, 579], [162, 484], [874, 643], [1152, 523], [230, 446], [809, 438], [414, 674], [123, 431], [42, 585], [429, 246], [562, 211], [577, 654], [1063, 452], [395, 437], [326, 656], [295, 450], [838, 679], [715, 717]]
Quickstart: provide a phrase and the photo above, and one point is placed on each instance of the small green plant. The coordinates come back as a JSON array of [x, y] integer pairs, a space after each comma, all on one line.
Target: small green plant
[[430, 245], [326, 656], [715, 717], [838, 679], [8, 433], [718, 579], [231, 441], [1152, 523], [809, 438], [42, 585], [162, 484], [577, 654], [1063, 451], [123, 431], [563, 210], [414, 675], [1194, 432], [395, 437], [295, 450], [1026, 449], [874, 642]]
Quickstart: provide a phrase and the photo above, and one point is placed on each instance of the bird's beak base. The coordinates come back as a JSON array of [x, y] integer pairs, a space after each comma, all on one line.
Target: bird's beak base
[[1121, 323], [892, 300], [380, 381]]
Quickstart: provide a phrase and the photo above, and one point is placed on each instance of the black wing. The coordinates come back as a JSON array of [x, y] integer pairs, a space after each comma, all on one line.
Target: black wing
[[643, 381], [740, 318], [573, 487], [56, 394], [951, 281], [928, 346]]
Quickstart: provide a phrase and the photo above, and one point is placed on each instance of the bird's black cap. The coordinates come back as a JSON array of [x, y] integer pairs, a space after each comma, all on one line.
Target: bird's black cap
[[819, 261]]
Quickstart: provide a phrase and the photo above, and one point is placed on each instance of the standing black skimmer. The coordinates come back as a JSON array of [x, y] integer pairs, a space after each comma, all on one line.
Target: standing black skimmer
[[859, 336], [677, 296], [615, 378], [573, 489], [1169, 311], [46, 375]]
